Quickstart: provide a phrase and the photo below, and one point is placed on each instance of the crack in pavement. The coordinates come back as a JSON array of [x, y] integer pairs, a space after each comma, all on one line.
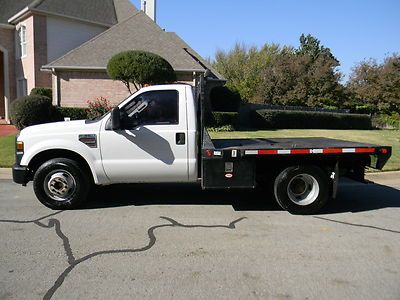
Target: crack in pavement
[[357, 225], [57, 225], [31, 221], [73, 262]]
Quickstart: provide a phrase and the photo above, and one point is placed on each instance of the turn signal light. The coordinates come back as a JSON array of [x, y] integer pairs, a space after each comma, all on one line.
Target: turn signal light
[[20, 146]]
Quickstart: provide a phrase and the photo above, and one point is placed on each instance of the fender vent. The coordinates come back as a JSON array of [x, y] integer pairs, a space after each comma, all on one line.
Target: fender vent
[[89, 140]]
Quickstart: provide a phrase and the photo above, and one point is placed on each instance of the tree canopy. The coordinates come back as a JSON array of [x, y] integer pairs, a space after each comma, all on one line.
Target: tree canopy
[[377, 85], [305, 76], [140, 68]]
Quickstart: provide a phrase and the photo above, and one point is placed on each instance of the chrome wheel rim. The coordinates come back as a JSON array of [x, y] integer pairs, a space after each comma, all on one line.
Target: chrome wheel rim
[[59, 185], [303, 189]]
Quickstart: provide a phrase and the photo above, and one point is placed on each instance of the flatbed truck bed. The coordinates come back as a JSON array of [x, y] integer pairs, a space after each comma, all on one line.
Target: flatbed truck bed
[[247, 163]]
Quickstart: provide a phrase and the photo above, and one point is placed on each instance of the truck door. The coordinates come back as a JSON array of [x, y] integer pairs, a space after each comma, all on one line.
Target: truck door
[[151, 145]]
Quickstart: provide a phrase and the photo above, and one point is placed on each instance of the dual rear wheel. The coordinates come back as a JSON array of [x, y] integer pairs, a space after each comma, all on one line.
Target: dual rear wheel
[[302, 189]]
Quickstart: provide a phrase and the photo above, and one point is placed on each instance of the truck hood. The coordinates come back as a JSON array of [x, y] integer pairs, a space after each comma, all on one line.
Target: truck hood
[[60, 128]]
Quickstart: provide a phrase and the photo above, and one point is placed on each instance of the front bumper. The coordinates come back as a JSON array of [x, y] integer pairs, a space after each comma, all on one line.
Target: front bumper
[[20, 174]]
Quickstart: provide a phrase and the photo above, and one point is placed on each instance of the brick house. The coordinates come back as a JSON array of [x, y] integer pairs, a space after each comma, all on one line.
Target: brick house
[[34, 33], [81, 74], [66, 45]]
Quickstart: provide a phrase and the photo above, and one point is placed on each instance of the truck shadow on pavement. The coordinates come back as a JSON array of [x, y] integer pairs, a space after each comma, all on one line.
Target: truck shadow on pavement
[[352, 197]]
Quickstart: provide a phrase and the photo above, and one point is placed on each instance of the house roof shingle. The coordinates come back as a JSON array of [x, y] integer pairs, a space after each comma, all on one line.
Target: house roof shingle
[[8, 8], [139, 32], [108, 12]]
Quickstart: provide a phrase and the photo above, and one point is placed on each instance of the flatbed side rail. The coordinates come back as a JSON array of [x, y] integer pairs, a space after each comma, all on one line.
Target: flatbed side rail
[[380, 154]]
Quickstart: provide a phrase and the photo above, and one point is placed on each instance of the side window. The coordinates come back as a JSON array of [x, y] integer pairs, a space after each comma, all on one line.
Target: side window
[[152, 108]]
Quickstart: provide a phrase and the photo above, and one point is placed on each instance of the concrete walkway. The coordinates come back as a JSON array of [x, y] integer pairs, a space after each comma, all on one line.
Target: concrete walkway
[[385, 178], [5, 173]]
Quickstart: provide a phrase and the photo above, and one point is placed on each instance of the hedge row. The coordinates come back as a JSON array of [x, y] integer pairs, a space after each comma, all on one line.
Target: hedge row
[[285, 119], [38, 109], [75, 113], [221, 119]]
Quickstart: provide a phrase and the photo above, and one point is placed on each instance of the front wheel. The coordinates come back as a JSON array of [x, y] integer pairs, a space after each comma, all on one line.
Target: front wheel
[[302, 189], [61, 184]]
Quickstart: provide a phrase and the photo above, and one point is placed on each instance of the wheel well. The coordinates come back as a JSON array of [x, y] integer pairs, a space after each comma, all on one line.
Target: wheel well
[[44, 156]]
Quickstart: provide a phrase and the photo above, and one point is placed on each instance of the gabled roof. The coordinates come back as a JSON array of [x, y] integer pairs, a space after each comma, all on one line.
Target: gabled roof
[[176, 38], [124, 10], [107, 12], [139, 32]]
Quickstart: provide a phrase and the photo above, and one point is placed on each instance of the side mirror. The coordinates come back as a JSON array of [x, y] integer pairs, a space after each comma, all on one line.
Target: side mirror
[[115, 118]]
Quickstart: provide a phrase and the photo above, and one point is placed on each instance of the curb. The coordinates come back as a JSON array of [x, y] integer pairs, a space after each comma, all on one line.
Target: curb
[[5, 173]]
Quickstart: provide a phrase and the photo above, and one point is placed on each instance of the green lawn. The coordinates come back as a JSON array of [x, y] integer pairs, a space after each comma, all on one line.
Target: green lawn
[[7, 151], [380, 137]]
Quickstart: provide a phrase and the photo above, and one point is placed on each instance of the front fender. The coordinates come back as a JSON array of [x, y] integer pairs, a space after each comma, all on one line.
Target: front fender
[[91, 155]]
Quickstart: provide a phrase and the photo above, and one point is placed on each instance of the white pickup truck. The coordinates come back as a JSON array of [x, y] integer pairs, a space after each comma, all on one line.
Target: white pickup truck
[[157, 135]]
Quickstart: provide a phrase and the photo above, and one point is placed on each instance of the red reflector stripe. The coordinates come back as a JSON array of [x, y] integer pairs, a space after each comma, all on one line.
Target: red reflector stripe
[[300, 151], [365, 150], [267, 152], [314, 151], [333, 150]]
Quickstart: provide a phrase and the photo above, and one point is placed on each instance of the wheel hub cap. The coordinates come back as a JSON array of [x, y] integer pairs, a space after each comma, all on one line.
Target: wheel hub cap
[[60, 185], [303, 189]]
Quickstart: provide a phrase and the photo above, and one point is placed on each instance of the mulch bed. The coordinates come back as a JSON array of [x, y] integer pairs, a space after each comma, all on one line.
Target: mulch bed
[[6, 130]]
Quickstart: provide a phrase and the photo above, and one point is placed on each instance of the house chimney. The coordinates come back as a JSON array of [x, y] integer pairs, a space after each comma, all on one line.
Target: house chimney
[[149, 8]]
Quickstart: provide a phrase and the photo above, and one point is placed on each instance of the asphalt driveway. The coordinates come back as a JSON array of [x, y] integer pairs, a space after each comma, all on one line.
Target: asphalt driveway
[[151, 242]]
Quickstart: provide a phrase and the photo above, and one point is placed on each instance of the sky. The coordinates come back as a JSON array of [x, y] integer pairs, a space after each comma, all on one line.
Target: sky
[[354, 30]]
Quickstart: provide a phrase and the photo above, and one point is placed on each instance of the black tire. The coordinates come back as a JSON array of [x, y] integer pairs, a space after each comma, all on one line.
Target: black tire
[[61, 184], [302, 190]]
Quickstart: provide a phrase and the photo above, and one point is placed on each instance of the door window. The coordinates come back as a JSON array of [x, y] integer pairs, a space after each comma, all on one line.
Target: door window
[[152, 108]]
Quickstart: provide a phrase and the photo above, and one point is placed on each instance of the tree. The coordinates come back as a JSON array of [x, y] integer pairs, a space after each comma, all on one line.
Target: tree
[[242, 67], [312, 47], [377, 86], [140, 68], [306, 76]]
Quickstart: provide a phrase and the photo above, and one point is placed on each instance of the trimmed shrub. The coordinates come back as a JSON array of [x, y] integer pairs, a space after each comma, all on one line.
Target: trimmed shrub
[[140, 68], [223, 99], [286, 119], [75, 113], [31, 110], [42, 91], [221, 119], [387, 121]]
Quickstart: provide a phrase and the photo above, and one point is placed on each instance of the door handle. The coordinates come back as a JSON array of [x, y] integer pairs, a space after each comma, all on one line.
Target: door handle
[[180, 138]]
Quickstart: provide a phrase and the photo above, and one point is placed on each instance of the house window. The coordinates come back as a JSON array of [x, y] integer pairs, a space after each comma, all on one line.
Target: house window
[[22, 40], [22, 89]]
